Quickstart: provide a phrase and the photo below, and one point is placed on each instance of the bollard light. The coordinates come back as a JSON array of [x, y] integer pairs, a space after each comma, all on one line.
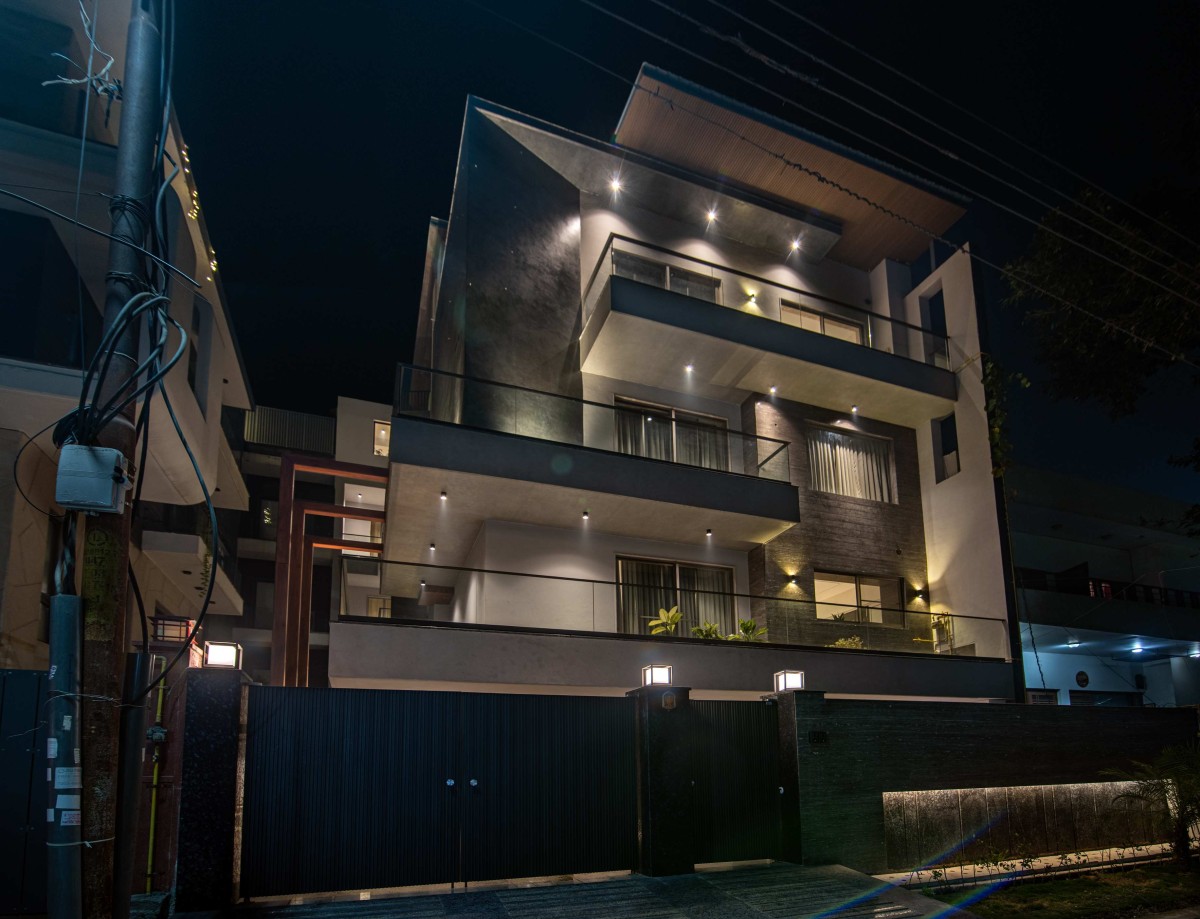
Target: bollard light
[[789, 680], [656, 675]]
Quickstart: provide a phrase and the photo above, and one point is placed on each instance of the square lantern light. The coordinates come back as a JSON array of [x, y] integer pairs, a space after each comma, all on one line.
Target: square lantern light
[[226, 655], [656, 675], [789, 680]]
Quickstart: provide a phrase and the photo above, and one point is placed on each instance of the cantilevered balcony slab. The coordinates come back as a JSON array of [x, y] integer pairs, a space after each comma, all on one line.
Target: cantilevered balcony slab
[[186, 560], [496, 476], [646, 334]]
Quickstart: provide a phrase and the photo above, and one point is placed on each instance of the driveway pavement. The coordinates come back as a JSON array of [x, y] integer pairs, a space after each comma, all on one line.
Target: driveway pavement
[[777, 891]]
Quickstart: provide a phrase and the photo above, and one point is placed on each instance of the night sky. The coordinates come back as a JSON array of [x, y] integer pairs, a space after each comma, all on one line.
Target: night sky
[[324, 136]]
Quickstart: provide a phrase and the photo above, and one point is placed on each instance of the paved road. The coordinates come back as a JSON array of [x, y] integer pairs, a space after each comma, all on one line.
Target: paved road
[[777, 891]]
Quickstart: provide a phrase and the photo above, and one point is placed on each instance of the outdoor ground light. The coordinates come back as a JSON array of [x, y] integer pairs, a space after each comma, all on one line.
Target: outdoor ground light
[[656, 675], [226, 655], [789, 680]]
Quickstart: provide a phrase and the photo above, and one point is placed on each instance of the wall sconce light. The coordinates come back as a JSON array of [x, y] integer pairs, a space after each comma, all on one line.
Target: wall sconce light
[[585, 515], [432, 547], [1072, 642], [792, 580], [854, 410], [920, 593], [689, 367], [225, 655], [656, 675], [443, 496], [789, 680], [774, 389], [708, 532]]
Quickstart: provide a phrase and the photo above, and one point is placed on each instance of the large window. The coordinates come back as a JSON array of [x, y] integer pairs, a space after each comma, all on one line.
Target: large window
[[703, 593], [858, 598], [658, 274], [852, 465], [822, 323], [666, 433]]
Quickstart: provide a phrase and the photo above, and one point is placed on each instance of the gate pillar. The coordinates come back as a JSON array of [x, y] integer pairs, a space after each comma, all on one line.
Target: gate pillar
[[665, 816], [210, 793]]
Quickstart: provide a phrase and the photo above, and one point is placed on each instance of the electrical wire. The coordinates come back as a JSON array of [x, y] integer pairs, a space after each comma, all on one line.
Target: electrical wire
[[980, 119], [674, 105], [91, 229], [946, 130], [16, 462], [870, 140], [89, 29]]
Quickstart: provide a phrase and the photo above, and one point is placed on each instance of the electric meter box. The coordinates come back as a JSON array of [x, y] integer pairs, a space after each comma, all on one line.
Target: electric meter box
[[91, 479]]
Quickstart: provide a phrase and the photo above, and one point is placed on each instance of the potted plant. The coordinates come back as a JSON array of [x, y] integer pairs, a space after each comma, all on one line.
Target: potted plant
[[667, 621], [749, 630], [707, 630]]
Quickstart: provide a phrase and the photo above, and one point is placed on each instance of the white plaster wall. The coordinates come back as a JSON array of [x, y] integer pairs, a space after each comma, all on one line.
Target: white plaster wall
[[889, 282], [585, 554], [962, 533], [1104, 675], [1160, 684], [600, 217], [356, 431], [468, 586]]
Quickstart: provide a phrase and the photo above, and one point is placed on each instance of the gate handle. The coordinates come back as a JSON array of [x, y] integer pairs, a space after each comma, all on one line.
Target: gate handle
[[449, 783], [474, 783]]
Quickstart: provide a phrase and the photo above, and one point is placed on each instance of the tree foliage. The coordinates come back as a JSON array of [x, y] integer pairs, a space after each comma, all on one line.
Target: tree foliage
[[1172, 783], [1122, 330]]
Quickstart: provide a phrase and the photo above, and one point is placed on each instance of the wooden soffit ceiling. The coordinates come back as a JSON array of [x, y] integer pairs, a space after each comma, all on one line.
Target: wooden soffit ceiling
[[684, 124]]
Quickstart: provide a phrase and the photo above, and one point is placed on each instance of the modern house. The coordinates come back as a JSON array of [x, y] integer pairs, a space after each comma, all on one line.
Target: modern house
[[678, 371], [51, 293], [1108, 590]]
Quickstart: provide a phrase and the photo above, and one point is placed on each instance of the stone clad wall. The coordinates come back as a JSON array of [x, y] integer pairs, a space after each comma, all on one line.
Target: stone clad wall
[[839, 757]]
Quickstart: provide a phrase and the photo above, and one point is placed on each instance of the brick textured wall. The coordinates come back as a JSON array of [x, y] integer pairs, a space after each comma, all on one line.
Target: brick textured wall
[[835, 533], [840, 755]]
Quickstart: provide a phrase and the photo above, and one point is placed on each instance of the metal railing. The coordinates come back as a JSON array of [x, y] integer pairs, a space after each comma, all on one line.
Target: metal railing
[[657, 266], [287, 430], [508, 409], [1107, 589], [450, 595]]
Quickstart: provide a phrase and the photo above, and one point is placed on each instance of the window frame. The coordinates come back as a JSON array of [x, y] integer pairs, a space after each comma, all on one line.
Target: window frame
[[667, 271], [859, 606], [810, 426], [630, 405], [376, 427], [676, 588], [801, 310]]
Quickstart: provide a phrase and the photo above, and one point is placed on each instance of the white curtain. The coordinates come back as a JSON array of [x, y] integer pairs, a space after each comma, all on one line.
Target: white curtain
[[851, 465]]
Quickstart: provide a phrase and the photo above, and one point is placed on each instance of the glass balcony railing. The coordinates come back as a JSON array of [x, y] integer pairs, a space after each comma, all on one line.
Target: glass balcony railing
[[718, 284], [649, 432], [454, 595]]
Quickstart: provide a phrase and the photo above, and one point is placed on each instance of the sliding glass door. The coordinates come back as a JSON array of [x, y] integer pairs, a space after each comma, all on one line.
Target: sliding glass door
[[672, 434], [703, 593]]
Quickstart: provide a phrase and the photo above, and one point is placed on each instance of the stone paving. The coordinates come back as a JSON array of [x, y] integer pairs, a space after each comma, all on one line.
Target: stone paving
[[776, 891]]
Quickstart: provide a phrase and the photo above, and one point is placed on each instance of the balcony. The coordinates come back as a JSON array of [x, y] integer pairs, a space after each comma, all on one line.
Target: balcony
[[508, 628], [178, 540], [751, 334], [509, 453]]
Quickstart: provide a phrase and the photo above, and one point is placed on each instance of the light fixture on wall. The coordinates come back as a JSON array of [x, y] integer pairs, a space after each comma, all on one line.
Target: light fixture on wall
[[656, 675], [754, 298], [1137, 649], [712, 214], [795, 245], [708, 532], [443, 496], [432, 547], [792, 580], [1195, 653], [774, 389], [919, 593], [615, 184], [224, 655], [422, 583], [854, 410], [1072, 642], [789, 680], [586, 515], [689, 367]]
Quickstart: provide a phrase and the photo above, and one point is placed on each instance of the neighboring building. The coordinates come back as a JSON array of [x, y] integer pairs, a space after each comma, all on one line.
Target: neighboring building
[[51, 295], [669, 372], [1109, 593]]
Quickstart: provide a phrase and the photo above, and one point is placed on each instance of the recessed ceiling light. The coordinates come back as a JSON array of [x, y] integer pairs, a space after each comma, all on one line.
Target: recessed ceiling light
[[689, 368], [585, 515], [360, 494], [1073, 643], [615, 184], [795, 244], [443, 496], [712, 214], [854, 410], [422, 582], [708, 532], [773, 390], [432, 547], [1137, 650]]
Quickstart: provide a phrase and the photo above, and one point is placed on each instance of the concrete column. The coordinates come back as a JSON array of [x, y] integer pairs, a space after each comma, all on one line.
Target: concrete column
[[665, 815], [210, 791]]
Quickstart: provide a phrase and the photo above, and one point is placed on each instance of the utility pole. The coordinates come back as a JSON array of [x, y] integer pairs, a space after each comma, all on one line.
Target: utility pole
[[106, 537]]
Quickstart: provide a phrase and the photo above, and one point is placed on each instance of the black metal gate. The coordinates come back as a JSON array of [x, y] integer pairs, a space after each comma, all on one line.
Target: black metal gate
[[735, 757], [354, 789]]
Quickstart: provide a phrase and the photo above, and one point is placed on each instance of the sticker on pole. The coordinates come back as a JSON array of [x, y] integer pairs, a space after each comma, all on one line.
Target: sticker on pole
[[51, 747], [67, 802], [70, 818], [68, 777]]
